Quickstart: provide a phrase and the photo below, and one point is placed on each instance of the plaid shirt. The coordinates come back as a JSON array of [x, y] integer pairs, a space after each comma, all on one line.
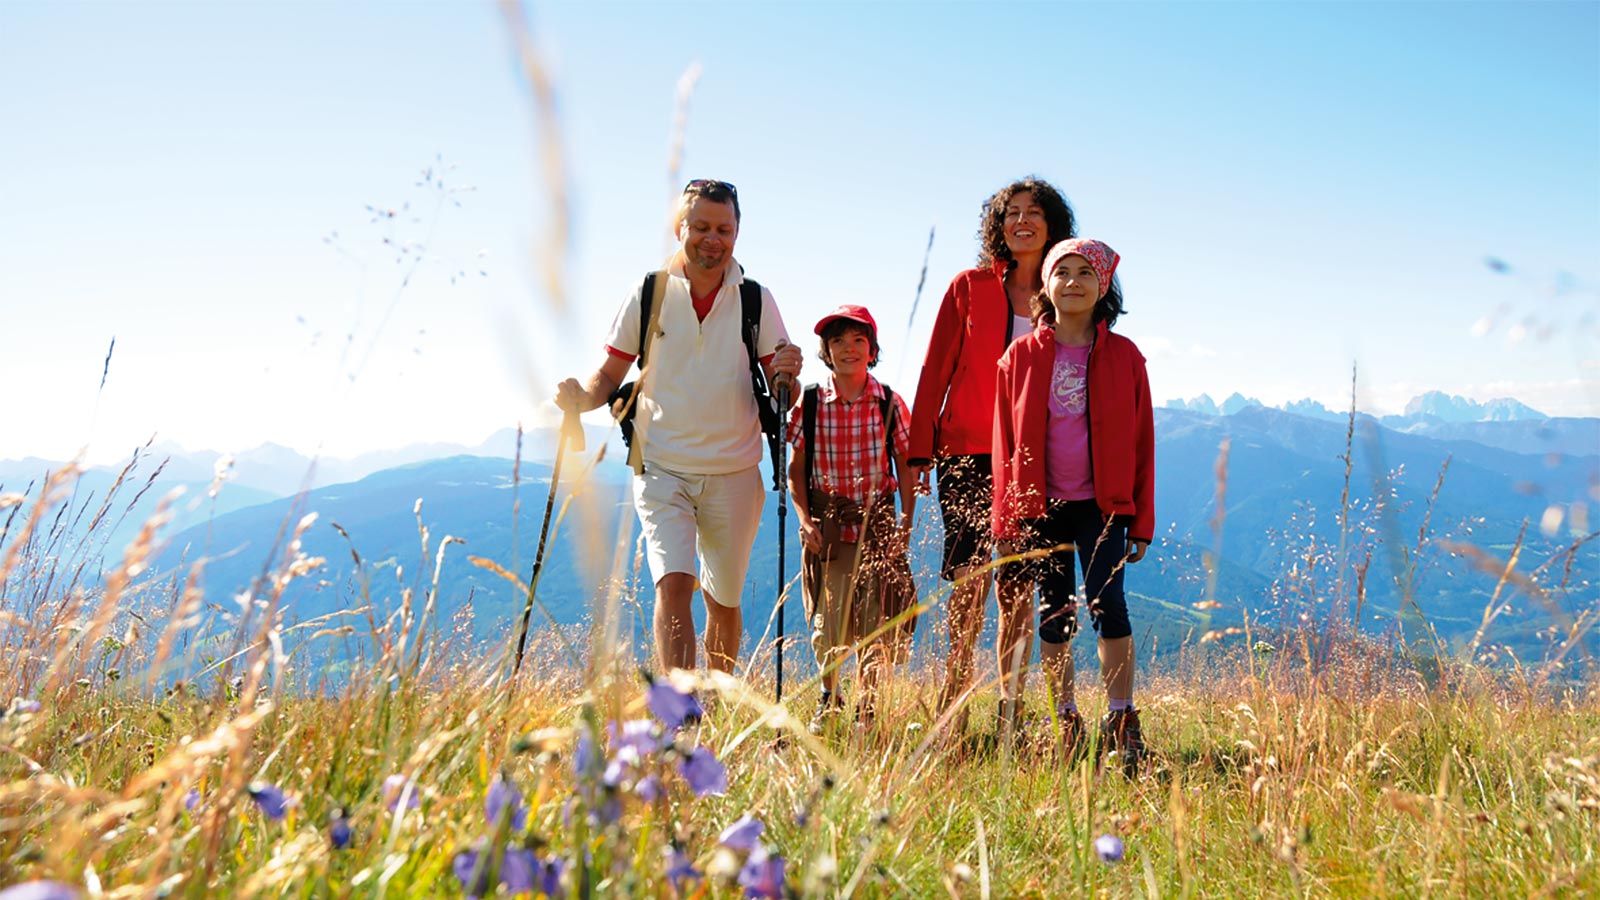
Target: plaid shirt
[[850, 461]]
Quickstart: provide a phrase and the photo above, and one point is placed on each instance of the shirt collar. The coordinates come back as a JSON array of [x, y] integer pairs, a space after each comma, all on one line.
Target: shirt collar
[[830, 389]]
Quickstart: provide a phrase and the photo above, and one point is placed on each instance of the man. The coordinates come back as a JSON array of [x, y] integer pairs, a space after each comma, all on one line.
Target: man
[[697, 426]]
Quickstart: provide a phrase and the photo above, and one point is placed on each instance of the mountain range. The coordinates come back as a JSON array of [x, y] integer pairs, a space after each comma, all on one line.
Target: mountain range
[[1277, 540]]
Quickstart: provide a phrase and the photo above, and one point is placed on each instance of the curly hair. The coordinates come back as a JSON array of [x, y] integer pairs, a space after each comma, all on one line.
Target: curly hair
[[1107, 309], [1059, 222]]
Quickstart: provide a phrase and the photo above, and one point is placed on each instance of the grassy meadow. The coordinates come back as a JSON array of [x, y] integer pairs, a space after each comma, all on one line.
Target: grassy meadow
[[137, 761]]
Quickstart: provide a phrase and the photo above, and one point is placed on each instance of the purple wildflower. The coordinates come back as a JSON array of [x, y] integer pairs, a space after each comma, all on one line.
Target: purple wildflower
[[504, 798], [673, 707], [762, 875], [744, 834], [474, 881], [191, 800], [272, 802], [609, 810], [680, 868], [634, 740], [21, 705], [339, 830], [649, 788], [1109, 848], [550, 872], [397, 787], [584, 757], [40, 890], [615, 770], [517, 870], [704, 774]]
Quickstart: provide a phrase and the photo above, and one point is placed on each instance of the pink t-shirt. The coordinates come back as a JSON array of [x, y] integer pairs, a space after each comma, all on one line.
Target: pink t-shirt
[[1066, 461]]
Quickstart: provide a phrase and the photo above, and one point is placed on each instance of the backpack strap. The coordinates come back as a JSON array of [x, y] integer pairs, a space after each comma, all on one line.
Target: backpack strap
[[808, 430], [651, 293], [887, 411], [766, 406]]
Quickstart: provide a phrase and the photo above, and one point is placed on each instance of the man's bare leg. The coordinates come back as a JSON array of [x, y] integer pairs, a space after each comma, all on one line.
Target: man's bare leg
[[724, 630], [674, 621]]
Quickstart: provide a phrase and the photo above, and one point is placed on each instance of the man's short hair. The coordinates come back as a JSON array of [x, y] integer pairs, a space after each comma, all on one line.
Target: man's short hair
[[710, 189]]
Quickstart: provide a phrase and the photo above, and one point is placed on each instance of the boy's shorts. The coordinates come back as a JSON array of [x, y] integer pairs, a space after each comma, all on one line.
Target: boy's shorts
[[853, 595], [709, 519]]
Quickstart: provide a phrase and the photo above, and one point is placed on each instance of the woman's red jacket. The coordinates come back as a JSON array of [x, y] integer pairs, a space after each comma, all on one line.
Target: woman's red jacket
[[954, 408]]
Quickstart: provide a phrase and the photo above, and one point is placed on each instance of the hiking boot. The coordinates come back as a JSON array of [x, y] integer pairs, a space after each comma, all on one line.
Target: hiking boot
[[1073, 734], [1021, 724], [1120, 734], [829, 706]]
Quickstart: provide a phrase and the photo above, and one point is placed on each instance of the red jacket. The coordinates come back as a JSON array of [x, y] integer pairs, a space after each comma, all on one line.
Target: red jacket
[[954, 407], [1122, 442]]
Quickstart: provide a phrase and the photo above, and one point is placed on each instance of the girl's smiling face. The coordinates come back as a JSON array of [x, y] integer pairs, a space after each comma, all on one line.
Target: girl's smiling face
[[1074, 287]]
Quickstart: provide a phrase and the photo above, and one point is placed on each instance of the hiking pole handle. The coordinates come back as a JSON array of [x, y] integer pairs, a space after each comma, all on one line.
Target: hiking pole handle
[[572, 431]]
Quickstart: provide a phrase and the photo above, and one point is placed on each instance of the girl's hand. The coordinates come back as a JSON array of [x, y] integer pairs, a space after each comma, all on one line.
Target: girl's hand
[[1136, 549]]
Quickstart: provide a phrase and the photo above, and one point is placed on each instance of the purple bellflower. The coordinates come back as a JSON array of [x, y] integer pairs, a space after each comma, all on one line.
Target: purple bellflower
[[680, 868], [271, 801], [339, 831], [744, 834], [503, 798], [673, 707], [40, 890], [649, 788], [1109, 848], [762, 875], [396, 787], [704, 774]]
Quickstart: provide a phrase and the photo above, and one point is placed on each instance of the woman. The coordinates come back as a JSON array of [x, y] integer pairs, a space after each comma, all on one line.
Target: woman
[[952, 423]]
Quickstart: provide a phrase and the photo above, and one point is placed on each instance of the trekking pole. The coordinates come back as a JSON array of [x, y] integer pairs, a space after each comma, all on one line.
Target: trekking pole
[[782, 478], [571, 439]]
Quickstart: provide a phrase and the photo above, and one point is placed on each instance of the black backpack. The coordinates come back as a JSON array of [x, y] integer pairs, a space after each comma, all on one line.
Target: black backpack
[[808, 426], [624, 402]]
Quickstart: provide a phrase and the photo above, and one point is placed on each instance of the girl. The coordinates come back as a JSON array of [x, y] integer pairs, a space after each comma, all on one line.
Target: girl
[[952, 422], [1074, 466]]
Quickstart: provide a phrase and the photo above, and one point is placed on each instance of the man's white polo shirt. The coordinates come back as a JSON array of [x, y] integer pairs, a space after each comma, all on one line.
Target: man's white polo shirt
[[696, 414]]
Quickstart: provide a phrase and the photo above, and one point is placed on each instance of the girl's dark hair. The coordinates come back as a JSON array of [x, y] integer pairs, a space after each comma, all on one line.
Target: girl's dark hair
[[1058, 219], [841, 327], [1106, 309]]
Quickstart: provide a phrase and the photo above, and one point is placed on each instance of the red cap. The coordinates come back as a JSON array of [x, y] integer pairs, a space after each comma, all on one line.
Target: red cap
[[852, 312]]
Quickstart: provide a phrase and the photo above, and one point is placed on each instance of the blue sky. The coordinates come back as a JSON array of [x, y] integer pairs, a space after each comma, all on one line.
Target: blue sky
[[1294, 188]]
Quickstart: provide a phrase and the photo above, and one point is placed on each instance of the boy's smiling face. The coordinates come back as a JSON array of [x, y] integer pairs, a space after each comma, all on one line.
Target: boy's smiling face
[[850, 353]]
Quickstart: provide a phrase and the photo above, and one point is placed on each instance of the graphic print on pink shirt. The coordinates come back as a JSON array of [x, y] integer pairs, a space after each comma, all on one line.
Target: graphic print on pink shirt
[[1067, 472]]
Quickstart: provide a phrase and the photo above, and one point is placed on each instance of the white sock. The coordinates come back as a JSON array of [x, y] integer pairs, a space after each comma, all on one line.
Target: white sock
[[1121, 704], [1062, 709]]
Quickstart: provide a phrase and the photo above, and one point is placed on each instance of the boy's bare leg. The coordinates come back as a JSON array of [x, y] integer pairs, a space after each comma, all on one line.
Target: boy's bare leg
[[674, 621], [1015, 646], [1116, 667], [724, 629], [967, 600]]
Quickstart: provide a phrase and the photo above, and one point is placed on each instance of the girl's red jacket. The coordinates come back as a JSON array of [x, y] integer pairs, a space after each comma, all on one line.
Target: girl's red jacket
[[1122, 442], [954, 408]]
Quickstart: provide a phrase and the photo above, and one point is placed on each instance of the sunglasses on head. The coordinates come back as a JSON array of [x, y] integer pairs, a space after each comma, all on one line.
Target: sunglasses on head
[[709, 186]]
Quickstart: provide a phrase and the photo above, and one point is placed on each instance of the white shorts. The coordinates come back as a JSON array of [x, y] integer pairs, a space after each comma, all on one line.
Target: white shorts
[[716, 515]]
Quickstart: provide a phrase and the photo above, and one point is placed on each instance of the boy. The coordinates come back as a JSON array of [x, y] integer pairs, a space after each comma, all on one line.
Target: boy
[[843, 475]]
